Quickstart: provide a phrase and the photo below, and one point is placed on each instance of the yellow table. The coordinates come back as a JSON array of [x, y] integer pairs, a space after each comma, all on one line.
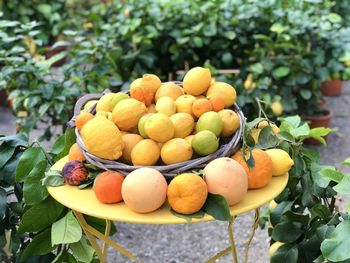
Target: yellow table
[[85, 202]]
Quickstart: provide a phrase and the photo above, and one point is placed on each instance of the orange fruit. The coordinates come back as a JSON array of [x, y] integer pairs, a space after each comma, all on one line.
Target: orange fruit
[[75, 153], [187, 193], [143, 94], [201, 106], [226, 177], [169, 89], [130, 140], [83, 118], [225, 90], [151, 81], [196, 81], [144, 190], [108, 187], [259, 175], [217, 102]]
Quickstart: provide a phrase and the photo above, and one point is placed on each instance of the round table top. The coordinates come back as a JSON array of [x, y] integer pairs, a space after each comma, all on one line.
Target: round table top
[[84, 201]]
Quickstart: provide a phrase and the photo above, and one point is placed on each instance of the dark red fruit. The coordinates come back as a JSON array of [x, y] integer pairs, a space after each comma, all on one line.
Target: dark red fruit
[[74, 172]]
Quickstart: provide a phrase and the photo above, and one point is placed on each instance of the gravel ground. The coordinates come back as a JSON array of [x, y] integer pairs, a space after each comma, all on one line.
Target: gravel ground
[[198, 242]]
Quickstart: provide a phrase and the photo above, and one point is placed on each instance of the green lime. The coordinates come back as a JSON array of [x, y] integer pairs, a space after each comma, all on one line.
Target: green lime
[[205, 143]]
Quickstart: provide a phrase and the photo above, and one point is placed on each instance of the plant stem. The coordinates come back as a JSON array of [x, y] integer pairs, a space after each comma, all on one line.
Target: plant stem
[[232, 242], [254, 227]]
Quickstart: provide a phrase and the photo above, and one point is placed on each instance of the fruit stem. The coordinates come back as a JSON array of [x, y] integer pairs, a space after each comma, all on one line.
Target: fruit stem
[[261, 111], [232, 241], [254, 227]]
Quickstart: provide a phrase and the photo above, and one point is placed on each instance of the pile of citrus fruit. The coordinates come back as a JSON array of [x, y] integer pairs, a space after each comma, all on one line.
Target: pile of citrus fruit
[[163, 123]]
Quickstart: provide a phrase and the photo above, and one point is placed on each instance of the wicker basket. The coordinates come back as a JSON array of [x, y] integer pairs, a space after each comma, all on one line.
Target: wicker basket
[[227, 147]]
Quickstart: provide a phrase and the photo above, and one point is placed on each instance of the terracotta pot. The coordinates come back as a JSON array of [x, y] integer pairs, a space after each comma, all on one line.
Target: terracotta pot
[[318, 121], [332, 88]]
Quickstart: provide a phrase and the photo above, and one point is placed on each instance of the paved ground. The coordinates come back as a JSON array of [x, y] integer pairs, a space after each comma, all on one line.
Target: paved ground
[[197, 242]]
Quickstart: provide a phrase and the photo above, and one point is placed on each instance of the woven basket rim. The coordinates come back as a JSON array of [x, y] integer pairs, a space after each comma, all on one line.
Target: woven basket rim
[[227, 147]]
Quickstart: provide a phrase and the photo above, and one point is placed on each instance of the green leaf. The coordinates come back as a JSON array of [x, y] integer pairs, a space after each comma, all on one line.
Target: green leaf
[[33, 219], [336, 248], [293, 121], [66, 230], [29, 159], [267, 139], [344, 186], [82, 251], [321, 181], [332, 174], [278, 28], [280, 72], [69, 140], [6, 152], [305, 94], [287, 232], [346, 162], [198, 42], [286, 254], [188, 218], [320, 211], [276, 214], [231, 35], [3, 200], [40, 245], [33, 190], [217, 207], [334, 18], [53, 178], [257, 68], [99, 224], [302, 130]]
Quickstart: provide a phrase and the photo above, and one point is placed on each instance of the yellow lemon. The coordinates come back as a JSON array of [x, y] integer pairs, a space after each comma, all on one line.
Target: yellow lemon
[[274, 247], [145, 152], [108, 101], [141, 125], [166, 105], [281, 161], [196, 81], [126, 113], [102, 138], [225, 90], [176, 151], [183, 124], [277, 108], [130, 140], [151, 108], [89, 104], [169, 89], [159, 127], [184, 104], [231, 122], [189, 138]]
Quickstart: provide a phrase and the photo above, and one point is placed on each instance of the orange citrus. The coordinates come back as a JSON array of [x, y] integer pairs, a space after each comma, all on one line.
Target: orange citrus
[[187, 193]]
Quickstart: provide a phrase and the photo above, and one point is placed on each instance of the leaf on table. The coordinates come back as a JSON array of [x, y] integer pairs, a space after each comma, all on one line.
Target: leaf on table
[[217, 207], [188, 218], [66, 230], [336, 248], [53, 178]]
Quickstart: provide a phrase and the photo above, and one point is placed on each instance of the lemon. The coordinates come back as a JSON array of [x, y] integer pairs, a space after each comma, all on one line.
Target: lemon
[[210, 121], [277, 108], [145, 152], [231, 122], [102, 138], [189, 138], [225, 90], [197, 80], [166, 105], [175, 151], [141, 125], [281, 161], [274, 247], [205, 143], [159, 127], [183, 124], [108, 101], [126, 113], [272, 205]]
